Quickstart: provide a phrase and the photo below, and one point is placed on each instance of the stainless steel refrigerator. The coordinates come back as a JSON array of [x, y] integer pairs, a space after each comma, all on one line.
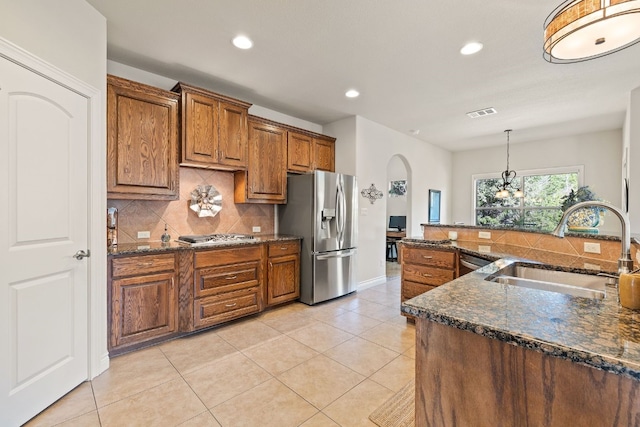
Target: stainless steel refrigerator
[[322, 208]]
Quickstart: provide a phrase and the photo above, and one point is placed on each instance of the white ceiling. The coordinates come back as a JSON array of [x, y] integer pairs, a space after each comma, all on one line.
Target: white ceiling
[[403, 57]]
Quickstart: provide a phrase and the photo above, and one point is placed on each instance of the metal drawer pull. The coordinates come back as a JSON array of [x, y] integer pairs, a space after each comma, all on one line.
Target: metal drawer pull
[[427, 257], [231, 305], [283, 248], [427, 275], [231, 277]]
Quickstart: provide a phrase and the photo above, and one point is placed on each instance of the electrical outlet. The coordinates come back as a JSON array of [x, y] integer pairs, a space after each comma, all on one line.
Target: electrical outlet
[[364, 211], [144, 234], [484, 249], [484, 234], [256, 229], [592, 248], [589, 266]]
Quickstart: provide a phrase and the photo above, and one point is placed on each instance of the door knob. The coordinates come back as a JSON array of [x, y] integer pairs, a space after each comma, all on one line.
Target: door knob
[[82, 254]]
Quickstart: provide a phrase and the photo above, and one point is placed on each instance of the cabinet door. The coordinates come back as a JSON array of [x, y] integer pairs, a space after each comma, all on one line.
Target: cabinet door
[[324, 154], [267, 170], [283, 282], [299, 152], [142, 141], [200, 129], [142, 308], [232, 140]]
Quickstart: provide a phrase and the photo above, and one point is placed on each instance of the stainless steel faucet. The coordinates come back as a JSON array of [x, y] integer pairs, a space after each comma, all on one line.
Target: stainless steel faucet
[[625, 263]]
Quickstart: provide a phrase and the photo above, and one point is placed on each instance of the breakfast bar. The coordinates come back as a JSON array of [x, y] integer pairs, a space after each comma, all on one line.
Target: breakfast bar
[[489, 353]]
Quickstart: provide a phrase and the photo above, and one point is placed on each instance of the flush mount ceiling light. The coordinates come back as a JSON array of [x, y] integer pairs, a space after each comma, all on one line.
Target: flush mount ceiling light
[[508, 178], [352, 93], [579, 30], [242, 42], [471, 48]]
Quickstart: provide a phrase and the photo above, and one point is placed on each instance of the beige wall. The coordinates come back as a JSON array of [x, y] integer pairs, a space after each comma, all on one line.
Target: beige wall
[[600, 153]]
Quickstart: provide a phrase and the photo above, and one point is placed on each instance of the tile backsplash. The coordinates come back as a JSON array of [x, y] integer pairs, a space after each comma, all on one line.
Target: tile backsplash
[[151, 215]]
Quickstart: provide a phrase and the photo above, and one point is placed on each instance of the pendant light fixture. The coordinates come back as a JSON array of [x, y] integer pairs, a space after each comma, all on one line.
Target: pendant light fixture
[[508, 178], [579, 30]]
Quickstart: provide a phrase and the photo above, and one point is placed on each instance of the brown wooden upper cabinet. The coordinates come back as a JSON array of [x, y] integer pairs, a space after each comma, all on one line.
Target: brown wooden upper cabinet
[[142, 141], [306, 153], [214, 129], [299, 152], [265, 180], [324, 154]]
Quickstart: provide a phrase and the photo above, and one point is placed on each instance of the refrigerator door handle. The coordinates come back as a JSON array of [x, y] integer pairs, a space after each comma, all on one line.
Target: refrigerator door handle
[[340, 222], [341, 254]]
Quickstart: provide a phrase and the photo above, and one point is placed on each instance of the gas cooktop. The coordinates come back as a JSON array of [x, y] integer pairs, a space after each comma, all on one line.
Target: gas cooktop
[[213, 239]]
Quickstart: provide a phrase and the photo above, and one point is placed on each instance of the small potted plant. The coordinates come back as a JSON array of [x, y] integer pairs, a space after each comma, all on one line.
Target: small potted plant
[[584, 220]]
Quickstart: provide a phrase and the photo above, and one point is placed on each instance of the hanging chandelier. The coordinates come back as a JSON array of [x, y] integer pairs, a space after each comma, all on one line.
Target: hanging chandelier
[[508, 178], [579, 30]]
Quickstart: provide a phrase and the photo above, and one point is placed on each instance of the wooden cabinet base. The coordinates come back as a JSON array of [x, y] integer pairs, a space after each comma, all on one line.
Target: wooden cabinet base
[[467, 379]]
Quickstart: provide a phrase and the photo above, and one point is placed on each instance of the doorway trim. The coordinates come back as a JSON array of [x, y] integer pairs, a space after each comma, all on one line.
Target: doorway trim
[[96, 198]]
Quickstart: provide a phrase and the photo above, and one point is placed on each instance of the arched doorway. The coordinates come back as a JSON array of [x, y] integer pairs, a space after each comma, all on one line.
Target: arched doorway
[[397, 218]]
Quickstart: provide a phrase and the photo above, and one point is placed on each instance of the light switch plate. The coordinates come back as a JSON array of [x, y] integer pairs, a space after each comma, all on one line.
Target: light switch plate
[[256, 229], [484, 234], [592, 248], [144, 234]]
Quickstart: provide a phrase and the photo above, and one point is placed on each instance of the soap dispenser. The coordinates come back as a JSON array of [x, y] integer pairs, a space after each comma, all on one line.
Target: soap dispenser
[[112, 227]]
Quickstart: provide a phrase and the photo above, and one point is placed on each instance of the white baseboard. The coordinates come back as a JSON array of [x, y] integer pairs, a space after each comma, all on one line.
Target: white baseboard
[[372, 282]]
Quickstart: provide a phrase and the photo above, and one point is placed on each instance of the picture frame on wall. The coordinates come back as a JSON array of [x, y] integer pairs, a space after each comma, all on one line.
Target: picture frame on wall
[[398, 188], [434, 206]]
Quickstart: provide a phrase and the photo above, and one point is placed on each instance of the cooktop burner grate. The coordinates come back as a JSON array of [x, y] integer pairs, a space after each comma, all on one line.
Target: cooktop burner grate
[[211, 239]]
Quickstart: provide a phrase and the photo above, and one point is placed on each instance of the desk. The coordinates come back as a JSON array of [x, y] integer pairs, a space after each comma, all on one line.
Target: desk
[[396, 235], [392, 248]]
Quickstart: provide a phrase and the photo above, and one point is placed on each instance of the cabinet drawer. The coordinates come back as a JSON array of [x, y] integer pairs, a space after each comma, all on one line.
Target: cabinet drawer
[[412, 289], [215, 257], [426, 275], [431, 257], [284, 248], [143, 264], [223, 307], [217, 280]]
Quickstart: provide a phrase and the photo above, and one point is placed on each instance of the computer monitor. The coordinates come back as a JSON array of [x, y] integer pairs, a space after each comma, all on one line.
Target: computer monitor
[[398, 221]]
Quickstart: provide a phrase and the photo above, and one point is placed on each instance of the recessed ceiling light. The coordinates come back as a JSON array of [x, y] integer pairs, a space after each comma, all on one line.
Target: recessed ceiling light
[[483, 112], [471, 48], [242, 42], [352, 93]]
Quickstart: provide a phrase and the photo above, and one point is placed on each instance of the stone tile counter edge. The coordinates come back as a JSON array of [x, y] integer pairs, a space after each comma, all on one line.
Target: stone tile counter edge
[[157, 247]]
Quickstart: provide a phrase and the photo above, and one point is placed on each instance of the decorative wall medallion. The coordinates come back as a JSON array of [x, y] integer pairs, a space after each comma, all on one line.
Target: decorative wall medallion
[[398, 188], [206, 201], [372, 193]]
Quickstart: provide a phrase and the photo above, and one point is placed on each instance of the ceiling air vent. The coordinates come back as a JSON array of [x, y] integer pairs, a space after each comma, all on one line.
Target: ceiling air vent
[[482, 113]]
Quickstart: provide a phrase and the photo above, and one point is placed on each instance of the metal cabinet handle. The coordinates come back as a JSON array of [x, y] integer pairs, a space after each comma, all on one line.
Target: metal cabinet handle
[[231, 305], [427, 257], [283, 248], [427, 275], [82, 254], [231, 277]]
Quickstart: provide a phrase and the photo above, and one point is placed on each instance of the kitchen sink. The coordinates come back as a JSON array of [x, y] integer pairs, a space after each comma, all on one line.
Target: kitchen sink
[[576, 284]]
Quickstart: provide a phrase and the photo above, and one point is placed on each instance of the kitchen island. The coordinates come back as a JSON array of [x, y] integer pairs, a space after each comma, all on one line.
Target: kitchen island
[[495, 354]]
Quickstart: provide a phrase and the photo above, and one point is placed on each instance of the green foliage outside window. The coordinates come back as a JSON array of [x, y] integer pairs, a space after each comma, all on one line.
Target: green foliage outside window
[[540, 209]]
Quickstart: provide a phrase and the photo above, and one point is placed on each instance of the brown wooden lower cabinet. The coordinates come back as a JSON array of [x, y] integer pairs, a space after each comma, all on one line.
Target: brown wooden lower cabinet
[[424, 269], [228, 284], [143, 291], [466, 379], [158, 296], [283, 272]]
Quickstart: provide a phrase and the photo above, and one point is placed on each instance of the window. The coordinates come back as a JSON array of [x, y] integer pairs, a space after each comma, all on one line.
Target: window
[[540, 207]]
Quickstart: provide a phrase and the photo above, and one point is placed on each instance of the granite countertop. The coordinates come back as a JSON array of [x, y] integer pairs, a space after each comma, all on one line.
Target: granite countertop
[[173, 245], [594, 332]]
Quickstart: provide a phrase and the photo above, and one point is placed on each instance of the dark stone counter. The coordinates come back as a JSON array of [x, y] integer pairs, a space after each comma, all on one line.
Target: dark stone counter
[[157, 247]]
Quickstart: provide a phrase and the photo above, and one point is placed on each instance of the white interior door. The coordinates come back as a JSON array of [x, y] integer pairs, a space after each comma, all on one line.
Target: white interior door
[[43, 223]]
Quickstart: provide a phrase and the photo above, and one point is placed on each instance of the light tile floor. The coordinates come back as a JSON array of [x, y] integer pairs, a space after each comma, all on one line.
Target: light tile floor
[[331, 364]]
